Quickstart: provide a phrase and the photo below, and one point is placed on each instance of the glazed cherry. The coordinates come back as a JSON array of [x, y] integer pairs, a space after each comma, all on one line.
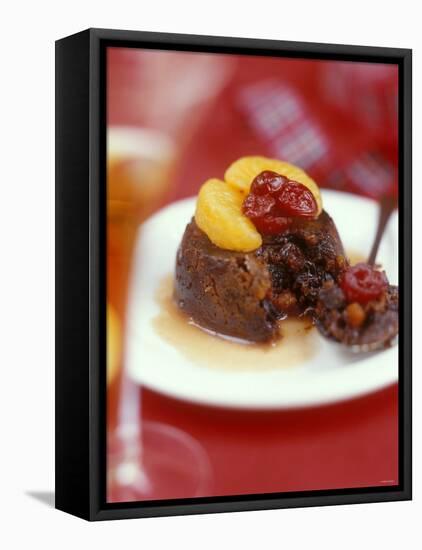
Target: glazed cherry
[[362, 283], [274, 199]]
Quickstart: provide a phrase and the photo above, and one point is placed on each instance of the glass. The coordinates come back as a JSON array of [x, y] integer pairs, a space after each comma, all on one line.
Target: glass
[[146, 137], [151, 460], [145, 460], [139, 165]]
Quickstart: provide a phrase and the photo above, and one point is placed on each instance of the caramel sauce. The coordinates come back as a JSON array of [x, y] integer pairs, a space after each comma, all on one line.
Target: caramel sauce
[[298, 343]]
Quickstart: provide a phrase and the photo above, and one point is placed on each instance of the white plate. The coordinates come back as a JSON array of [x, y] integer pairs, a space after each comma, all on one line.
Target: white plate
[[330, 374]]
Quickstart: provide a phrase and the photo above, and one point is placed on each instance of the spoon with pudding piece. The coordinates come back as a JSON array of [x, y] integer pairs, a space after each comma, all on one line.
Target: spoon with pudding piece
[[360, 310]]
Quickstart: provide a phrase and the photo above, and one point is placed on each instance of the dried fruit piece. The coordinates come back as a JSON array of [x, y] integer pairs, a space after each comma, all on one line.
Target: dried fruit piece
[[362, 283], [241, 173], [274, 200], [355, 315], [219, 215]]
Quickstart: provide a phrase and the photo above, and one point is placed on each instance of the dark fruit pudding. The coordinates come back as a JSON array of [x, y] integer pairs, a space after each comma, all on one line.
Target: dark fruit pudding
[[261, 248], [223, 290], [245, 292]]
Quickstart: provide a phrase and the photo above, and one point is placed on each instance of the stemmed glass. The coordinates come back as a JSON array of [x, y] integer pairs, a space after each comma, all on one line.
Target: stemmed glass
[[145, 460], [154, 103], [151, 460]]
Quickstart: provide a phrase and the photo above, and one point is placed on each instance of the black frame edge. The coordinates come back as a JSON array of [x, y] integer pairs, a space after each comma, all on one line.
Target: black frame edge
[[257, 46], [406, 266], [97, 271], [251, 505], [72, 367]]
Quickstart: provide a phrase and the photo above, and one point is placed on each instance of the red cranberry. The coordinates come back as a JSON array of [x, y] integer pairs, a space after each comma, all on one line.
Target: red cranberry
[[362, 283], [274, 199]]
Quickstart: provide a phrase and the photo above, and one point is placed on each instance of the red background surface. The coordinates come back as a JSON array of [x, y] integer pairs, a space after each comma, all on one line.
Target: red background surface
[[350, 444]]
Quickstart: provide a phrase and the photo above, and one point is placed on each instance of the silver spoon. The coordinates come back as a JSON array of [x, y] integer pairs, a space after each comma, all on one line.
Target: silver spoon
[[387, 206]]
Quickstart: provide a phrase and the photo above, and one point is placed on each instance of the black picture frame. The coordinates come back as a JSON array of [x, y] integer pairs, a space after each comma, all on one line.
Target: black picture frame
[[80, 272]]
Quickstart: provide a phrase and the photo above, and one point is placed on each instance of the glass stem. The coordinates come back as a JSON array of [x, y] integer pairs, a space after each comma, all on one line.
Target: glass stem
[[129, 424]]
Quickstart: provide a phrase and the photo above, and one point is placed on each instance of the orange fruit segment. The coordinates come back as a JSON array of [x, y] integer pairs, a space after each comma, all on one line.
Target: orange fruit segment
[[242, 172], [219, 215]]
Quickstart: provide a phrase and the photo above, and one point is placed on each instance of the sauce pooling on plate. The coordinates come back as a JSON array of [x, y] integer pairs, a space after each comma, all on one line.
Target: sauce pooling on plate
[[297, 345]]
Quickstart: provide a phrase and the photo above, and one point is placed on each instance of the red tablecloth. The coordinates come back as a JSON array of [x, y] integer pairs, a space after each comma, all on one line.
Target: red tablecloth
[[352, 444]]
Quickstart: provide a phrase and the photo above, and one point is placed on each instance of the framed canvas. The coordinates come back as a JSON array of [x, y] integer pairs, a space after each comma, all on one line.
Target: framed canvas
[[233, 274]]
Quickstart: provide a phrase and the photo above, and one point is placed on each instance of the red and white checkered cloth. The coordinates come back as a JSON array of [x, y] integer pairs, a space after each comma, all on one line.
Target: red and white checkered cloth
[[338, 120], [344, 133]]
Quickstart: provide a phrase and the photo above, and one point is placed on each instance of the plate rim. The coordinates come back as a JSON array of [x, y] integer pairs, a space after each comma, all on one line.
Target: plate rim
[[323, 398]]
